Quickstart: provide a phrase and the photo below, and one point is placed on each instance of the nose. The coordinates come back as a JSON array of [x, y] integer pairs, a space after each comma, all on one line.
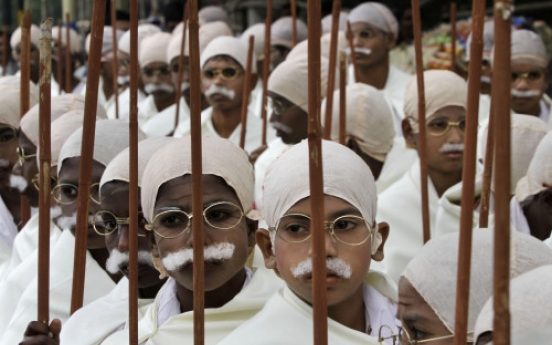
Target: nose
[[521, 84], [273, 117], [330, 243], [122, 243], [17, 169], [455, 135]]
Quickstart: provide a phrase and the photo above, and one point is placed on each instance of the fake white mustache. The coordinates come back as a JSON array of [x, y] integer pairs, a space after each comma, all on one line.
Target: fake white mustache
[[184, 86], [333, 266], [216, 252], [150, 88], [449, 147], [360, 50], [55, 212], [123, 80], [230, 94], [485, 79], [18, 183], [281, 127], [525, 94], [118, 260], [71, 221]]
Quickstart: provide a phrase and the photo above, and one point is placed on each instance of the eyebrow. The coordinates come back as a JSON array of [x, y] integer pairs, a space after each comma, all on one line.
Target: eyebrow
[[205, 205]]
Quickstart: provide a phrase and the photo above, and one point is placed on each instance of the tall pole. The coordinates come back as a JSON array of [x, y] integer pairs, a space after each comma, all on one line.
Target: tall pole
[[293, 5], [115, 62], [342, 98], [181, 67], [352, 49], [488, 170], [68, 69], [266, 64], [331, 71], [59, 70]]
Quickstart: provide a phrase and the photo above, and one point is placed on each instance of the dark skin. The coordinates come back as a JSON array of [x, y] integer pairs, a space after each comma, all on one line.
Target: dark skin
[[75, 62], [9, 140], [538, 212], [28, 170], [374, 165], [291, 116], [34, 60], [162, 99], [484, 338], [185, 78]]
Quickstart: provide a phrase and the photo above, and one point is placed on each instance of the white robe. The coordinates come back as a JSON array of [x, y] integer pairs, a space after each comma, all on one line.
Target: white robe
[[253, 136], [256, 99], [102, 100], [101, 318], [8, 229], [546, 109], [397, 163], [97, 284], [163, 123], [124, 104], [286, 319]]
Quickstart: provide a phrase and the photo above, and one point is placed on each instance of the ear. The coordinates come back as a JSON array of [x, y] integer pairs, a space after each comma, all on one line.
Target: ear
[[383, 229], [263, 241], [408, 134], [251, 229], [390, 41]]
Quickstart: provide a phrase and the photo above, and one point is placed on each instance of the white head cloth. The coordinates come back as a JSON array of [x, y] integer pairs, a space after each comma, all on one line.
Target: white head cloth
[[9, 98], [229, 46], [220, 158], [539, 171], [488, 41], [111, 137], [117, 169], [438, 284], [442, 88], [527, 132], [327, 22], [528, 47], [342, 45], [296, 89], [257, 31], [73, 37], [284, 187], [530, 303], [60, 105], [369, 119], [377, 15], [144, 30], [107, 43], [154, 48], [35, 36], [281, 32], [213, 14]]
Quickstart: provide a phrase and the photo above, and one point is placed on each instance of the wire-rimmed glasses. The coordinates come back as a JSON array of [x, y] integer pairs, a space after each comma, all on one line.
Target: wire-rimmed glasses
[[66, 193], [105, 223]]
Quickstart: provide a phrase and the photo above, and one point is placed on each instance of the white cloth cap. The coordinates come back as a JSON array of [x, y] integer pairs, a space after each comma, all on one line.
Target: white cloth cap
[[342, 45], [60, 105], [437, 285], [257, 31], [111, 137], [488, 41], [530, 303], [154, 48], [442, 88], [35, 36], [74, 37], [527, 132], [144, 30], [220, 157], [327, 22], [107, 43], [229, 46], [377, 15], [281, 32], [369, 119], [10, 98], [528, 47], [118, 167], [301, 48], [296, 89], [213, 14], [539, 171]]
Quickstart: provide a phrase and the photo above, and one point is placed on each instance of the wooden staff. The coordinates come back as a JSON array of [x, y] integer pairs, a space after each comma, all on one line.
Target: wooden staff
[[197, 178], [331, 70], [293, 5], [59, 74], [422, 149], [352, 49], [68, 71], [453, 36], [115, 62], [343, 98], [468, 175], [24, 103], [133, 180], [87, 152], [488, 170], [319, 302], [247, 88], [5, 43], [266, 64], [180, 68], [44, 194], [502, 175]]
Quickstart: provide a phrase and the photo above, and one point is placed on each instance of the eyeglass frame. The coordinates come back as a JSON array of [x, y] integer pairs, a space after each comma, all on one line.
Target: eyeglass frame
[[149, 226], [328, 225], [449, 125], [77, 188], [35, 181], [119, 220], [271, 102], [157, 71], [21, 155], [525, 75], [402, 331], [218, 72]]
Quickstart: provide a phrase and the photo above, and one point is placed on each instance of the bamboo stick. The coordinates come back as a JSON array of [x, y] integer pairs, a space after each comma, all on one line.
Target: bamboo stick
[[68, 72], [352, 49], [266, 64], [5, 43], [331, 71], [59, 70], [468, 175], [133, 179], [115, 62], [453, 35], [422, 144], [197, 179], [501, 90], [87, 151], [180, 67], [488, 171], [44, 172], [247, 88], [319, 302], [343, 98], [293, 5]]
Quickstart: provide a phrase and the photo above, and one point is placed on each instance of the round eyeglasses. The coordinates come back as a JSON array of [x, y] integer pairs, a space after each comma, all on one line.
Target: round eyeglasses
[[437, 126], [105, 223], [173, 222], [403, 338], [349, 229], [66, 193], [53, 181], [531, 76], [278, 107], [226, 73], [22, 156]]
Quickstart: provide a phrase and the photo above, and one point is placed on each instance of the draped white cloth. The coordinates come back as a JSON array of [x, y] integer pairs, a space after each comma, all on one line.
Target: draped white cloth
[[396, 164], [162, 124], [124, 104], [8, 229]]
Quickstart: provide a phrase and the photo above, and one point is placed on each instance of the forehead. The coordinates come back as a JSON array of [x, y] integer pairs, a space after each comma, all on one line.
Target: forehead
[[358, 26], [221, 61], [524, 67], [69, 171], [278, 98], [333, 206], [156, 64], [176, 60], [451, 112]]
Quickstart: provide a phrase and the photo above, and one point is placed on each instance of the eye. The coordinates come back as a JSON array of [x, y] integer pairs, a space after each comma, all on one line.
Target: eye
[[69, 191], [462, 125], [366, 33], [534, 75], [438, 124], [295, 229], [345, 224], [109, 224], [229, 72], [209, 74], [173, 220], [7, 135]]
